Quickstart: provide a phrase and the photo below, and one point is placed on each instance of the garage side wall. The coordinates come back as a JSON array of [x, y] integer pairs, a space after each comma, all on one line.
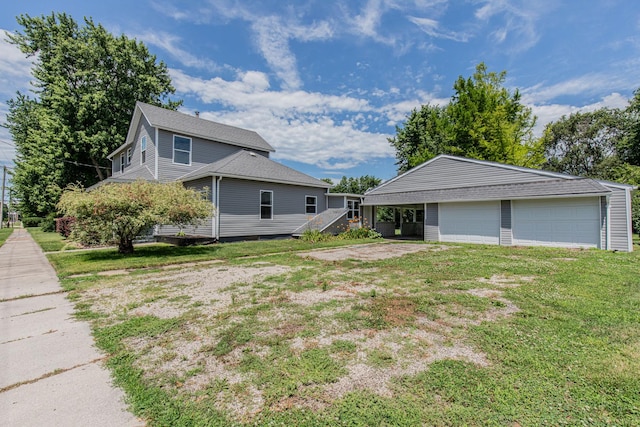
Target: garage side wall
[[505, 223], [619, 221]]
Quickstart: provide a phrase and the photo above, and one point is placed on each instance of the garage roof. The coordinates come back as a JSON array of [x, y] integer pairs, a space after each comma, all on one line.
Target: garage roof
[[582, 187]]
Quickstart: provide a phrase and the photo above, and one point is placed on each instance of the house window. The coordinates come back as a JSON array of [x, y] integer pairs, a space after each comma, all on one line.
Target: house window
[[181, 150], [143, 149], [129, 156], [266, 204], [311, 204], [121, 162], [354, 209]]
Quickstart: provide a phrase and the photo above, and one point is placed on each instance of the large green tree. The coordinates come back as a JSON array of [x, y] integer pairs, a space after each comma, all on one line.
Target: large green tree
[[483, 120], [86, 82], [355, 185], [586, 144]]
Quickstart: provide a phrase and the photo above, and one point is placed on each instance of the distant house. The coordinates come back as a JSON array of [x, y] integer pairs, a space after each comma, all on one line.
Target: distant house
[[454, 199], [254, 196]]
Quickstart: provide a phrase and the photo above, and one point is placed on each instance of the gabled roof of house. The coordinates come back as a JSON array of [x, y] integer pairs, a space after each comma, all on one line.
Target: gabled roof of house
[[248, 165], [582, 187], [185, 124]]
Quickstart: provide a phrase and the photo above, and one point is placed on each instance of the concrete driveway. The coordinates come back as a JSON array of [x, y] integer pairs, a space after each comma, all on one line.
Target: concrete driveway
[[50, 371]]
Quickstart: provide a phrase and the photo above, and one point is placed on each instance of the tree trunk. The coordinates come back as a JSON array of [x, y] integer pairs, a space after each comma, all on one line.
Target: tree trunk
[[100, 175], [125, 246]]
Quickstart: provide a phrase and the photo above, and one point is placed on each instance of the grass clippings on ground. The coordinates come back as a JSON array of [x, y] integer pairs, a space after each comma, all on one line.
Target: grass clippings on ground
[[469, 335]]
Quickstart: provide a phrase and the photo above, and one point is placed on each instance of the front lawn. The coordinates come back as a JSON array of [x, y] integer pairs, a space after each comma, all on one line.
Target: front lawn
[[49, 241], [451, 335], [4, 234], [157, 255]]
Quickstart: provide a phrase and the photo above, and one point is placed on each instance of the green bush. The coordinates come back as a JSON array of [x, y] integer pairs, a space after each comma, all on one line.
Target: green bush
[[635, 211], [48, 224], [32, 221], [360, 233], [314, 236]]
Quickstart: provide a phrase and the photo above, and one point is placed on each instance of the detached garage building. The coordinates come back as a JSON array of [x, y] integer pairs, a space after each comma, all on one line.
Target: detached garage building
[[454, 199]]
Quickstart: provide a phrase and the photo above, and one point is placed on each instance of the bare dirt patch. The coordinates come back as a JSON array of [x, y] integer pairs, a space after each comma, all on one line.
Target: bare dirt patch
[[373, 252]]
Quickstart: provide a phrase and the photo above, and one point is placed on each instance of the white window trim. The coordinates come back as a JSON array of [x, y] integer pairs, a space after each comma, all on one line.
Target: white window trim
[[143, 150], [261, 205], [173, 152], [129, 154], [315, 205], [122, 162], [351, 206]]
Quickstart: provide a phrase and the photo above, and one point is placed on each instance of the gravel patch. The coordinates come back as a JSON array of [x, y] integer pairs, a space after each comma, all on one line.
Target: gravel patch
[[373, 252]]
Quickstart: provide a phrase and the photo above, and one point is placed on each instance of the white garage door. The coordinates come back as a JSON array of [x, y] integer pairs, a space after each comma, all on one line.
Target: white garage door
[[477, 222], [557, 222]]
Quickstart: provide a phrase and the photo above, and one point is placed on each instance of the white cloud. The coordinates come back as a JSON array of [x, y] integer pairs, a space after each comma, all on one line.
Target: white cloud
[[432, 28], [592, 83], [519, 20], [170, 43], [553, 112], [15, 69]]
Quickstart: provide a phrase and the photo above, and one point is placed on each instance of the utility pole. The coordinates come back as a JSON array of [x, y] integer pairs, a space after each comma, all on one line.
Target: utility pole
[[4, 180]]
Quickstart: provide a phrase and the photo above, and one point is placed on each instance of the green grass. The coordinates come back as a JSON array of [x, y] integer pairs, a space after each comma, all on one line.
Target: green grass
[[48, 241], [569, 354], [4, 234], [156, 255]]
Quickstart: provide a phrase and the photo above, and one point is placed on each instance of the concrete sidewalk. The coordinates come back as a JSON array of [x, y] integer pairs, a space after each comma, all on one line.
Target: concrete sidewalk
[[50, 372]]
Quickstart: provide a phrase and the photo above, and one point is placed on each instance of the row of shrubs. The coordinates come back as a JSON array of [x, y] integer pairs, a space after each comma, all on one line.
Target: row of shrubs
[[50, 224], [315, 236]]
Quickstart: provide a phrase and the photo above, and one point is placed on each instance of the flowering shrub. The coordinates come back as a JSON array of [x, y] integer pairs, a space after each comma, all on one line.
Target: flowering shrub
[[360, 233]]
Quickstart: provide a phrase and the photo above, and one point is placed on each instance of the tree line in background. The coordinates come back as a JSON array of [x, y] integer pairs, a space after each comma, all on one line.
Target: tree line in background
[[86, 83]]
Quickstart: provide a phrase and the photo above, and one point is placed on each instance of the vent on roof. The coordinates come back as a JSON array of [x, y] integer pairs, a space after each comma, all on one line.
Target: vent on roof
[[251, 153], [197, 113]]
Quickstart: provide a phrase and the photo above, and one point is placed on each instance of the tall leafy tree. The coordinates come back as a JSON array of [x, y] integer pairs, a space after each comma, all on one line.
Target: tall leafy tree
[[357, 185], [630, 147], [483, 120], [586, 144], [86, 83]]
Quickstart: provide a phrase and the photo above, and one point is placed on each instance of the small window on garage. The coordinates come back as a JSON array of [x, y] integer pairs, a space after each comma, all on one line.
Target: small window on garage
[[266, 204], [181, 150], [311, 204]]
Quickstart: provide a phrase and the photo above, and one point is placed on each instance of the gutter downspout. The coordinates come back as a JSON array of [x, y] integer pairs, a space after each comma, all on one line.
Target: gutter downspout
[[217, 230]]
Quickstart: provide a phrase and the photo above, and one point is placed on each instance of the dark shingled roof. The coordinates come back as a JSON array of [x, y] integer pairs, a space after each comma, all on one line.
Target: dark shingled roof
[[195, 126], [543, 189], [248, 165]]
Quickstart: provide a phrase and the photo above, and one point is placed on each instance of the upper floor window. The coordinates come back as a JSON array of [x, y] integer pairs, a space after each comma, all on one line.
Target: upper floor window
[[129, 155], [266, 204], [181, 150], [354, 209], [143, 149], [121, 162], [311, 204]]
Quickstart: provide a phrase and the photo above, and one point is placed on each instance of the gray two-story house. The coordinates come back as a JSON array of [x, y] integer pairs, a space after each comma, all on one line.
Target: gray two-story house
[[252, 195]]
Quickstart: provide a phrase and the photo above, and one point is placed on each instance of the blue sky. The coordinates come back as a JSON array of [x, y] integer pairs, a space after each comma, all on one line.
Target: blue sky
[[326, 82]]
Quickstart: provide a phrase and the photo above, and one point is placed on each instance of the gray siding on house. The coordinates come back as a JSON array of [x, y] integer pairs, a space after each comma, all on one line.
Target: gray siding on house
[[239, 210], [203, 152], [336, 202], [619, 221], [431, 221], [506, 235], [144, 129], [206, 227], [444, 173]]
